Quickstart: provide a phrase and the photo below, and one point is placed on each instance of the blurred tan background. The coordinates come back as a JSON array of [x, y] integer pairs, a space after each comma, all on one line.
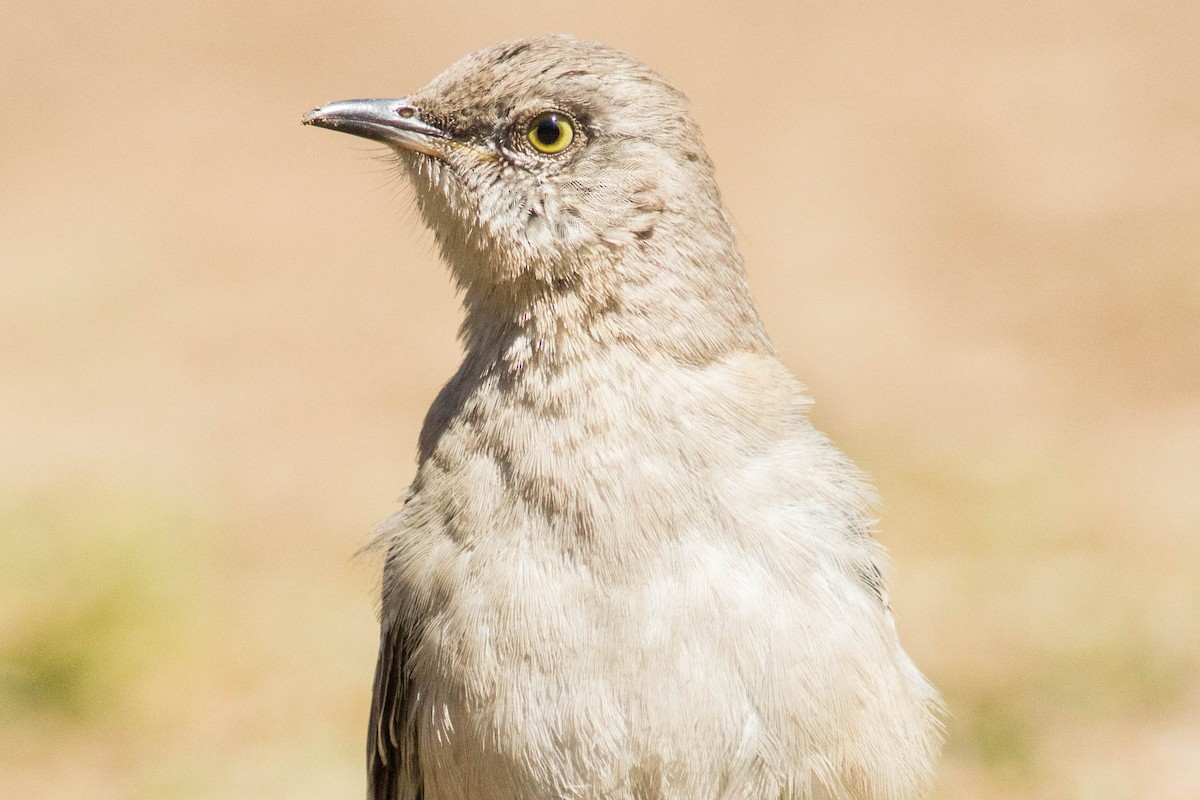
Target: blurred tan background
[[974, 232]]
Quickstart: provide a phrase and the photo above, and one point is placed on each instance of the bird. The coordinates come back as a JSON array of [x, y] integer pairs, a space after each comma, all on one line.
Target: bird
[[628, 566]]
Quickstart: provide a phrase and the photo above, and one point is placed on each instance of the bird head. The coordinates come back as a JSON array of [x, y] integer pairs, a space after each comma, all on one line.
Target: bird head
[[554, 164]]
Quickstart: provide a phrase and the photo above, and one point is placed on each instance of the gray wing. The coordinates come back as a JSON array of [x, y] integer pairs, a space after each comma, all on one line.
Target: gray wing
[[393, 768]]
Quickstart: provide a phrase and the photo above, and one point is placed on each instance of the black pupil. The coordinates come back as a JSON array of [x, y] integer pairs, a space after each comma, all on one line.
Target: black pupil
[[547, 131]]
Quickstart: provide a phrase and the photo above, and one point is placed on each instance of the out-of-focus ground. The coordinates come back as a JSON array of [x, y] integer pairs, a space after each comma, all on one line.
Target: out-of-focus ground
[[974, 232]]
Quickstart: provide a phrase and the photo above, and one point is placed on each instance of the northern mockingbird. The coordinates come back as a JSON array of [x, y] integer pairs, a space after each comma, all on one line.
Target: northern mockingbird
[[628, 567]]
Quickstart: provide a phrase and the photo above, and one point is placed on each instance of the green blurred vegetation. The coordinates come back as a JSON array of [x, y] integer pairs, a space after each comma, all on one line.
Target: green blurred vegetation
[[97, 590]]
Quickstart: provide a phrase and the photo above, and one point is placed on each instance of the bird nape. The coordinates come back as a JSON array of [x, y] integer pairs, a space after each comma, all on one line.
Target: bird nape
[[628, 566]]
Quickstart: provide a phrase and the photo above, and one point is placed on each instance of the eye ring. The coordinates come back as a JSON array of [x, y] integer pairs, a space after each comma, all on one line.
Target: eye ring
[[551, 132]]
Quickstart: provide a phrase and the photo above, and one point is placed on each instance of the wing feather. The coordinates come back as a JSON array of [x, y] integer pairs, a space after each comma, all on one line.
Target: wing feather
[[393, 767]]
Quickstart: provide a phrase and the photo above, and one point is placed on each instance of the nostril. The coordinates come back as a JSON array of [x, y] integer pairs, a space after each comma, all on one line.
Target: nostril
[[406, 112]]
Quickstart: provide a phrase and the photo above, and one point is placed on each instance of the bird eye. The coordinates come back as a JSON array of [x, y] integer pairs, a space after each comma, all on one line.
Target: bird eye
[[551, 132]]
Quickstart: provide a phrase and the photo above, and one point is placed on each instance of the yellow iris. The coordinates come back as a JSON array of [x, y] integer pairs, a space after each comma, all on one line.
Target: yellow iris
[[551, 132]]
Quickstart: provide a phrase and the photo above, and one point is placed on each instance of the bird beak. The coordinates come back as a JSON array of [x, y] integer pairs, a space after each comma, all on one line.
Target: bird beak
[[393, 122]]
